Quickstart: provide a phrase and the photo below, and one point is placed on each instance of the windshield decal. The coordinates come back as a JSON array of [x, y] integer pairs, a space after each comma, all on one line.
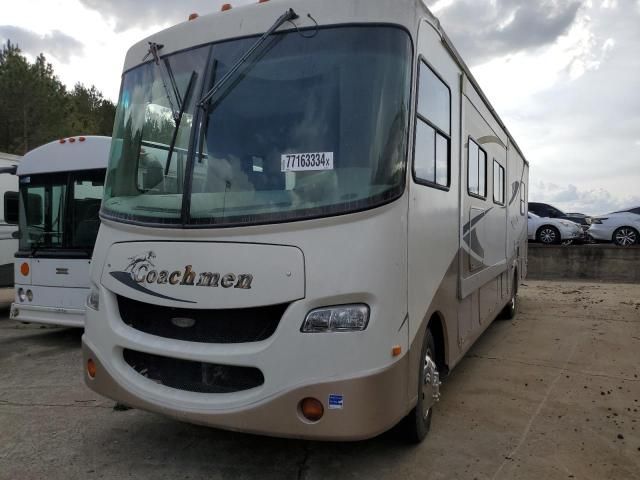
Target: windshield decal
[[307, 162]]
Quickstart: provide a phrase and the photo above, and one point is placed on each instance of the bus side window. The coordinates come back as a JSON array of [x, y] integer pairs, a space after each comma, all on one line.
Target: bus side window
[[432, 153]]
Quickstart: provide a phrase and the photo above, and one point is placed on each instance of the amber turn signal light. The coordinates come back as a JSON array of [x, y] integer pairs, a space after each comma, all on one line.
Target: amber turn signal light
[[312, 409], [24, 269], [91, 368]]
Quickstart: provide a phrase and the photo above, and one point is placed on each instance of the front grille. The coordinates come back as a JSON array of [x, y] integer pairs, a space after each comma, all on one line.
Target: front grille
[[192, 376], [240, 325]]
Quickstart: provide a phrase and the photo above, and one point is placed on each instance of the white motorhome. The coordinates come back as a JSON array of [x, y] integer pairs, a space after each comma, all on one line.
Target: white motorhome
[[61, 187], [311, 212], [8, 239]]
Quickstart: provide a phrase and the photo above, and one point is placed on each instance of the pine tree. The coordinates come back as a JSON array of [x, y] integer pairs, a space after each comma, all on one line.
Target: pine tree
[[36, 108]]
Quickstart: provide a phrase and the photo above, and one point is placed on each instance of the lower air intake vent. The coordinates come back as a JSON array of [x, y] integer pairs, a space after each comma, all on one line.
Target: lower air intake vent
[[239, 325], [192, 376]]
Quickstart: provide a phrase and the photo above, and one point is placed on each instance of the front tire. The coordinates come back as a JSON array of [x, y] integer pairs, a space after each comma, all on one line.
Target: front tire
[[416, 425], [625, 237], [548, 235], [509, 311]]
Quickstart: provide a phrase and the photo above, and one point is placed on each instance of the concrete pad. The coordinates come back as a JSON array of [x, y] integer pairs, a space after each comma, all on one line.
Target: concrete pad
[[554, 394]]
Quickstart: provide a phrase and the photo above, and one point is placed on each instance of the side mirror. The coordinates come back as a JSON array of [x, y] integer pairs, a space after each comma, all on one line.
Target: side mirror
[[11, 207]]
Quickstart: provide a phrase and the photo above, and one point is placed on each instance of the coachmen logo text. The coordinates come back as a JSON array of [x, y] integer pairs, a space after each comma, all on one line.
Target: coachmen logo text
[[143, 270]]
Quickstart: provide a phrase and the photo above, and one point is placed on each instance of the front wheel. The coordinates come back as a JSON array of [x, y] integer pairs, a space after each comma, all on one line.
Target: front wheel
[[549, 235], [625, 237], [510, 309], [416, 425]]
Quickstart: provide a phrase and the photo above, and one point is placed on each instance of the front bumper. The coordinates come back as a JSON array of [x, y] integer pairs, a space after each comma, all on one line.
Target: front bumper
[[64, 317], [373, 403], [599, 233]]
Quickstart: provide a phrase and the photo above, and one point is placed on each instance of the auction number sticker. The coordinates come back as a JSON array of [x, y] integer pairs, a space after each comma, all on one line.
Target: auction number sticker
[[307, 162]]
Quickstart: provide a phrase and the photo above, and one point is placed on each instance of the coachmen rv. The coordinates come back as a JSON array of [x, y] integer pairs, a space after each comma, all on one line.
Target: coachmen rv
[[311, 212]]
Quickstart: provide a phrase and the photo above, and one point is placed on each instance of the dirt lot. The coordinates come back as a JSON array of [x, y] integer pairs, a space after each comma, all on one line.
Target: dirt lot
[[554, 394]]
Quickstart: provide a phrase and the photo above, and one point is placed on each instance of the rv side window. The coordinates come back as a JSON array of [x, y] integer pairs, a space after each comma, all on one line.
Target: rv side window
[[432, 163], [523, 199], [477, 172], [498, 183]]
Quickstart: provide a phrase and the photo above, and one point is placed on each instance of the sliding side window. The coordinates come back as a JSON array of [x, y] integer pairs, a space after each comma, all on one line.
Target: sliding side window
[[477, 172], [432, 162], [498, 183]]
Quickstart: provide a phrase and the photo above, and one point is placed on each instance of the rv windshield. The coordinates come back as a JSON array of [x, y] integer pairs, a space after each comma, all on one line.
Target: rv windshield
[[314, 125], [60, 210]]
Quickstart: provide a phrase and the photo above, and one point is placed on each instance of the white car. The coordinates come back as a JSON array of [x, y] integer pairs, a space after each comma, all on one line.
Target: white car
[[621, 228], [552, 230]]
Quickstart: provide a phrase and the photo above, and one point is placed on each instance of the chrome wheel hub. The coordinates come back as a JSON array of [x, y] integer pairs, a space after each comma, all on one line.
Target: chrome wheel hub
[[430, 385], [548, 236], [626, 237]]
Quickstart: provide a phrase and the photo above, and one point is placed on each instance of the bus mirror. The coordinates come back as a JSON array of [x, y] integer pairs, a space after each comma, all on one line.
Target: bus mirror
[[11, 207], [34, 209]]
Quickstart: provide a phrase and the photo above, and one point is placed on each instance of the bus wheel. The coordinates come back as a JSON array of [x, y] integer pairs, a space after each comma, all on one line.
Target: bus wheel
[[510, 309], [416, 425]]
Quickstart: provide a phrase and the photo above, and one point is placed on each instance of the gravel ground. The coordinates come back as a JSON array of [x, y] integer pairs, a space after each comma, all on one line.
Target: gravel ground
[[554, 394]]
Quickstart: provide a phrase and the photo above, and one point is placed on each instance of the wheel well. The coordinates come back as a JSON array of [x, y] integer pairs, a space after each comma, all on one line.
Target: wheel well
[[546, 226], [437, 330], [613, 236]]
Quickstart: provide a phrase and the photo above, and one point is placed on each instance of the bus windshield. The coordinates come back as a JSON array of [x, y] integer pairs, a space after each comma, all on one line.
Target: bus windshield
[[59, 211], [315, 124]]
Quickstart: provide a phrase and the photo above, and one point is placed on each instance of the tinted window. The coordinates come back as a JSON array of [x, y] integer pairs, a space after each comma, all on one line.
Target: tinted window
[[425, 163], [477, 171], [434, 101], [498, 183], [433, 125], [60, 210]]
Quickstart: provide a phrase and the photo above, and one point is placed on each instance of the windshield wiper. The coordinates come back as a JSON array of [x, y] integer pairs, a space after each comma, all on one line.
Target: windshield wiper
[[288, 16], [154, 52], [174, 137]]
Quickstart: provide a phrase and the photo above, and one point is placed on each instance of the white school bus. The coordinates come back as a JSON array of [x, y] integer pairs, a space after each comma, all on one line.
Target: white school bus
[[311, 212], [60, 190]]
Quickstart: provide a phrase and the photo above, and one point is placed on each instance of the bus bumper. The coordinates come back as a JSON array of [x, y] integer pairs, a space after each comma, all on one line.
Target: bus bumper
[[371, 405], [64, 317]]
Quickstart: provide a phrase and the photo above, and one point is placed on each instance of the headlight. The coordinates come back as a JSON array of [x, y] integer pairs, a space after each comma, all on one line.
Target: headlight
[[344, 318], [93, 299], [21, 295]]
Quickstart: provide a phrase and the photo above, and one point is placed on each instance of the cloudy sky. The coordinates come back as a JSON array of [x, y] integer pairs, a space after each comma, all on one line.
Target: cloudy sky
[[563, 74]]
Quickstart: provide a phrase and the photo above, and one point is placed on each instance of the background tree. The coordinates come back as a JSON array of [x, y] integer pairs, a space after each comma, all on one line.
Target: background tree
[[36, 108]]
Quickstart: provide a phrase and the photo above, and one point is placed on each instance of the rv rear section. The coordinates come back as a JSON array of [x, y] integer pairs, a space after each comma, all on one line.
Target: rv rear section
[[299, 233], [60, 190]]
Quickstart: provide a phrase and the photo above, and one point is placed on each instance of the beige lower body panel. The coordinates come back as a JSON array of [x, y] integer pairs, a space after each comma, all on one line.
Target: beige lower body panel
[[372, 405]]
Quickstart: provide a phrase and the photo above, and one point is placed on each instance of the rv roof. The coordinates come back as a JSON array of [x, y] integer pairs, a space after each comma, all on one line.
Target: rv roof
[[67, 155], [8, 157], [255, 19]]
